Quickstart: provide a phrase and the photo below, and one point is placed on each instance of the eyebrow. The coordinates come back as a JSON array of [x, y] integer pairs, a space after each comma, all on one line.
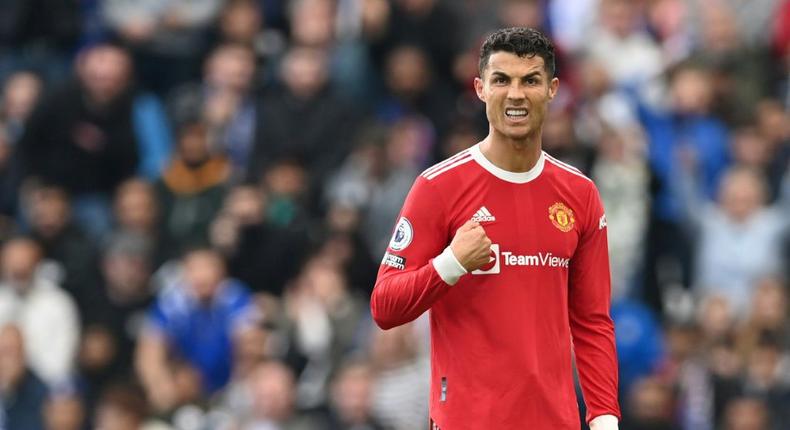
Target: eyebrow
[[528, 75]]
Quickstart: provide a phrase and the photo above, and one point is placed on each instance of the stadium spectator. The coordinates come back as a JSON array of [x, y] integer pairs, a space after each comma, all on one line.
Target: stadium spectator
[[167, 38], [685, 130], [39, 36], [194, 322], [732, 59], [400, 388], [224, 99], [747, 413], [123, 407], [620, 42], [320, 144], [324, 322], [40, 308], [20, 95], [136, 212], [191, 189], [22, 392], [65, 411], [351, 399], [649, 406], [274, 401], [260, 253], [739, 239], [429, 24], [412, 91], [72, 254], [21, 92], [621, 174], [379, 174], [768, 314], [93, 132], [111, 332]]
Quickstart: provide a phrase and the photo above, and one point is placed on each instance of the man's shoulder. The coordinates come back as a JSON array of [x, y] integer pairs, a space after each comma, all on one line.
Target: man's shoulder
[[566, 173], [448, 168]]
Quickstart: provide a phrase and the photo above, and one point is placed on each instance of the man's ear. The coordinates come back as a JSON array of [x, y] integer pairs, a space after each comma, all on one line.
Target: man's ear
[[479, 89], [554, 85]]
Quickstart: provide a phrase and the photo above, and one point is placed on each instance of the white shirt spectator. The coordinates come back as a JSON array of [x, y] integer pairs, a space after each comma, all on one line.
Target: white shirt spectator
[[49, 321]]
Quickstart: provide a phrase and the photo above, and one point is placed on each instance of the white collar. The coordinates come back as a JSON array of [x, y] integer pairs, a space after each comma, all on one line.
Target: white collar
[[505, 175]]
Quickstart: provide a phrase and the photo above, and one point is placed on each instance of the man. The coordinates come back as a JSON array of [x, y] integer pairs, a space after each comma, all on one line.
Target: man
[[193, 327], [507, 247], [45, 314]]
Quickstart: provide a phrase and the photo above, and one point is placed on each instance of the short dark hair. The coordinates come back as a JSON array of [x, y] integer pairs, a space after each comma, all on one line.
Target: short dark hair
[[522, 41]]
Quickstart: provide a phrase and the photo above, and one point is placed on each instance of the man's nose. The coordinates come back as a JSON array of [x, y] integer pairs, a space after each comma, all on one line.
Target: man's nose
[[516, 92]]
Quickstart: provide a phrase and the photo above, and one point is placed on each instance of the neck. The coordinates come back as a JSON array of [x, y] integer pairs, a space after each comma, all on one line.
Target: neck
[[509, 154]]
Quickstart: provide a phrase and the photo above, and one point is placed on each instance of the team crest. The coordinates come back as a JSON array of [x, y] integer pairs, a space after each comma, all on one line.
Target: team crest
[[562, 217], [402, 236]]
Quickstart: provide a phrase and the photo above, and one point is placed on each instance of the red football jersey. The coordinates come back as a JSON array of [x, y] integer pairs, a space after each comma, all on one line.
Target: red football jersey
[[502, 336]]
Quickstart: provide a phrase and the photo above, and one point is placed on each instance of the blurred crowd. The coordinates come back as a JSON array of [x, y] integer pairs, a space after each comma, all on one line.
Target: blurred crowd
[[195, 196]]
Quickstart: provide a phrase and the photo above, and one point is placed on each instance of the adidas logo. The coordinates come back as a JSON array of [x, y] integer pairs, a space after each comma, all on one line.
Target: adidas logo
[[483, 215]]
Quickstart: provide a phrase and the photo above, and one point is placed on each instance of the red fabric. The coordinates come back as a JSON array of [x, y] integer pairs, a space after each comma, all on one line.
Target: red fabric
[[502, 341], [782, 29]]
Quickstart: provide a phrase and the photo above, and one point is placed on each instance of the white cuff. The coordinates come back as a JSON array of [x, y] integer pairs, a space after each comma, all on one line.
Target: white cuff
[[448, 267], [604, 422]]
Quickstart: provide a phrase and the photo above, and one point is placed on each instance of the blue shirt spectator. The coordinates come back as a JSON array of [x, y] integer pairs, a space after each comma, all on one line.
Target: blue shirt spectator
[[201, 333], [193, 322]]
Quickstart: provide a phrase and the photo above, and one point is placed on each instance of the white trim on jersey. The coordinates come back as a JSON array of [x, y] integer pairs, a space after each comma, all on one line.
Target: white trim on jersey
[[456, 163], [566, 167], [444, 163], [557, 160], [514, 177]]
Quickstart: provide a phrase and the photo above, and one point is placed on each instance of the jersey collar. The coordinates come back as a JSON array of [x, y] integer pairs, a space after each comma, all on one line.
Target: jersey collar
[[505, 175]]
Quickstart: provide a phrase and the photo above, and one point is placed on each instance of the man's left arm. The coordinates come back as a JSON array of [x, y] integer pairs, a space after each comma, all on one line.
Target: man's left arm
[[589, 299]]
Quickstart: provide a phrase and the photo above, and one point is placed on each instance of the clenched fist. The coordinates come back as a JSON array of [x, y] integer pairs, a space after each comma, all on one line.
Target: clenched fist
[[471, 246]]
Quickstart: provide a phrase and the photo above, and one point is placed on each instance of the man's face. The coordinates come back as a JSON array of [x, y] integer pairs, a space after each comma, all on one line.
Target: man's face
[[516, 91]]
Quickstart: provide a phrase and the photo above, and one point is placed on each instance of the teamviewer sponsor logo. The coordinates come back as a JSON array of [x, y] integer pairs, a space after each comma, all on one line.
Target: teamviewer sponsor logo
[[508, 258], [539, 259], [483, 215]]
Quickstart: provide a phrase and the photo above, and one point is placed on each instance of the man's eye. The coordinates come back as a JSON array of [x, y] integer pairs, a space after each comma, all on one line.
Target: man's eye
[[499, 80]]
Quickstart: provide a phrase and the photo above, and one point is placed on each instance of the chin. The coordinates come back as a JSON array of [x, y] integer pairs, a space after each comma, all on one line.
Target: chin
[[517, 134]]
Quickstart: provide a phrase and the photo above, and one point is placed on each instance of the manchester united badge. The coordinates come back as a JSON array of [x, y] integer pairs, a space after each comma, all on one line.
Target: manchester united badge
[[562, 217]]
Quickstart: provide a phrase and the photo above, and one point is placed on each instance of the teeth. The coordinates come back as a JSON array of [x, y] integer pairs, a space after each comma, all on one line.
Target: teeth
[[516, 112]]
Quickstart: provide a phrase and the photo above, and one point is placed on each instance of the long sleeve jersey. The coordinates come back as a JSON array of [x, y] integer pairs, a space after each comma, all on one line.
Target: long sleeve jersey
[[503, 336]]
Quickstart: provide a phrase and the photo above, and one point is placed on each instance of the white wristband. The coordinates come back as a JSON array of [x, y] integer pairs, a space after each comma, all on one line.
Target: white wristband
[[448, 267], [604, 422]]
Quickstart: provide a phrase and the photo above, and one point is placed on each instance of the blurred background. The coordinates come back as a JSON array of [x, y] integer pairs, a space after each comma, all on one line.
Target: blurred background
[[195, 196]]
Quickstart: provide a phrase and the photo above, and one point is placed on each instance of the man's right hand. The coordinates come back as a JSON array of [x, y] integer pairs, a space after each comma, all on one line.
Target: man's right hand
[[471, 246]]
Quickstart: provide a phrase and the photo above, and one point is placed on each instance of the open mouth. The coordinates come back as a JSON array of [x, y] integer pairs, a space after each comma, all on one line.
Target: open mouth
[[516, 113]]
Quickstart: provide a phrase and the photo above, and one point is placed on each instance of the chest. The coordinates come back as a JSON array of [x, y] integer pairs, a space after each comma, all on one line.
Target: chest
[[528, 226]]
